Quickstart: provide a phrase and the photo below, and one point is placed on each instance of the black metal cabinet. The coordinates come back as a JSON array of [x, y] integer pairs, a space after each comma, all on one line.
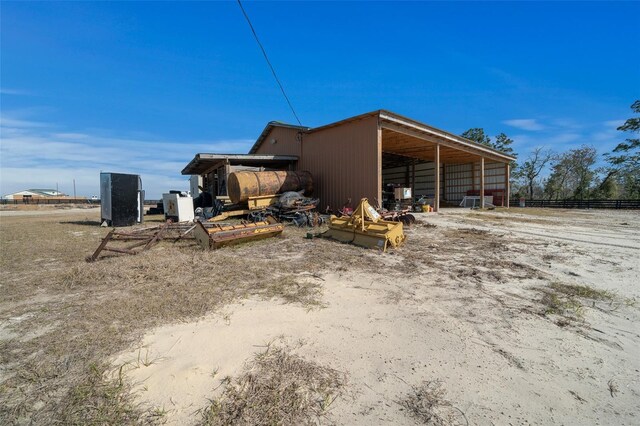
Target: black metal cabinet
[[121, 199]]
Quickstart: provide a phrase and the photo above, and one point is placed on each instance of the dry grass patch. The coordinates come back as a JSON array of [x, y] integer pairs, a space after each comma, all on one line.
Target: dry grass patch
[[277, 387], [502, 220], [107, 305], [568, 300], [98, 400], [427, 404], [99, 309], [583, 291], [556, 304]]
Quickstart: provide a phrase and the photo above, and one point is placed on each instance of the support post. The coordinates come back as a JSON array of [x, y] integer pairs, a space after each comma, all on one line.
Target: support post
[[379, 163], [482, 182], [436, 201], [227, 171], [507, 184]]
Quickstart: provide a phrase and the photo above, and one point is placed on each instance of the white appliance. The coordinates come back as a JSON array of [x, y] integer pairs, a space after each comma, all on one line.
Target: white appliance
[[402, 193], [178, 207]]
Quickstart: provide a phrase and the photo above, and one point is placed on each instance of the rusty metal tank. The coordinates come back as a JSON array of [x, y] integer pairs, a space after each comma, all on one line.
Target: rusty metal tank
[[242, 185]]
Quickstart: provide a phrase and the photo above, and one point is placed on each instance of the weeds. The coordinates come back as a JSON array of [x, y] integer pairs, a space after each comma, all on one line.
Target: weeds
[[294, 290], [567, 299], [146, 361], [427, 404], [583, 291], [277, 387], [102, 401], [557, 304], [99, 309]]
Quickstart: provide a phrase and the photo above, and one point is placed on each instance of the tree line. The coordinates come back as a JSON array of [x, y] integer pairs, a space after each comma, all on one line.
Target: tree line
[[573, 174]]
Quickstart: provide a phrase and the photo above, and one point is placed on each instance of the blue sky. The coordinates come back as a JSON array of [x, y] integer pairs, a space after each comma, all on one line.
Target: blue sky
[[141, 87]]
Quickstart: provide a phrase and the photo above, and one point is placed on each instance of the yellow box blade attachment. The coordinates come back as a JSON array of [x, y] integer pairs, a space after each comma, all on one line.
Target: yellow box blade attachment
[[365, 228]]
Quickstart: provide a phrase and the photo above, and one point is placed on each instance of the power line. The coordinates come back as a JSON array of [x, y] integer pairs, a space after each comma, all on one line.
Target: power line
[[268, 61]]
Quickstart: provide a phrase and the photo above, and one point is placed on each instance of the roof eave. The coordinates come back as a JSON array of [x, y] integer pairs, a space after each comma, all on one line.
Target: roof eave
[[218, 159], [391, 116]]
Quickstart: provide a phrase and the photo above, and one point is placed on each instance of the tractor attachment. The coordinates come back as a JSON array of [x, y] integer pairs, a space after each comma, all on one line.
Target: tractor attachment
[[219, 235], [366, 228]]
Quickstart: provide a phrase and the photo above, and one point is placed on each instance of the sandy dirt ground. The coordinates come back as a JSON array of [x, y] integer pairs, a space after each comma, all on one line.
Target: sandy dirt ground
[[460, 304]]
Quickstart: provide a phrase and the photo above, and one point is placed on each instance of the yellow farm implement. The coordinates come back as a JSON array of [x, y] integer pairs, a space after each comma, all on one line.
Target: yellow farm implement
[[219, 235], [366, 228]]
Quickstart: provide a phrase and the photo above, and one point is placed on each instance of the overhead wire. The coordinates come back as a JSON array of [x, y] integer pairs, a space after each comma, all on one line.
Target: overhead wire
[[273, 71]]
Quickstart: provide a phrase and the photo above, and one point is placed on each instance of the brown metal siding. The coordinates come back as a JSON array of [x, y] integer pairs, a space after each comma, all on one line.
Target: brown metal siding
[[344, 161], [286, 143]]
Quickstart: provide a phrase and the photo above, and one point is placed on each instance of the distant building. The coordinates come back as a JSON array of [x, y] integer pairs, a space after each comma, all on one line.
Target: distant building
[[35, 193]]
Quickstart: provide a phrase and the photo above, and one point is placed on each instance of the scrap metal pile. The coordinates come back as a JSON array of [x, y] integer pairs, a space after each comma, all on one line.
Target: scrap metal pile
[[291, 207], [259, 195]]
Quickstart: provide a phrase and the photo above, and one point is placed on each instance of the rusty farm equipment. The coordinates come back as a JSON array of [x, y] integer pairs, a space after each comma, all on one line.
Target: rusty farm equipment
[[130, 242], [217, 236], [243, 185], [366, 228], [398, 216]]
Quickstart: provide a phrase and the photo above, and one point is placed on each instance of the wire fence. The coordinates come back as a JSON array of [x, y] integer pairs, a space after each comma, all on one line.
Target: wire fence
[[36, 201], [578, 204]]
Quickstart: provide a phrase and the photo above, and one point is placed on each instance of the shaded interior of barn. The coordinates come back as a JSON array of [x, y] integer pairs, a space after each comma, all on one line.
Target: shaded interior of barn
[[410, 161]]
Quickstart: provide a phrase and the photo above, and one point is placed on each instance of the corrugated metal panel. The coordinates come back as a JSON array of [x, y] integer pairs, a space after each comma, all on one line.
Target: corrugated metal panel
[[458, 181], [424, 177], [280, 141], [396, 175], [493, 175], [344, 162], [459, 178]]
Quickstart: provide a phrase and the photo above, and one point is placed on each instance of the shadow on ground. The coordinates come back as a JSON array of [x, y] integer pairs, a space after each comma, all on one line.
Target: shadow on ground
[[81, 222]]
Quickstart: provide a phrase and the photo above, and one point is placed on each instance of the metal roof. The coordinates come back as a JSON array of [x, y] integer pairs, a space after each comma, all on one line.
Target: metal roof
[[203, 162], [391, 117]]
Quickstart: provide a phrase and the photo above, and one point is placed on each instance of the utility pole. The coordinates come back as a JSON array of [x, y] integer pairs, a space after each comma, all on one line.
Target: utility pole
[[74, 190], [57, 192]]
